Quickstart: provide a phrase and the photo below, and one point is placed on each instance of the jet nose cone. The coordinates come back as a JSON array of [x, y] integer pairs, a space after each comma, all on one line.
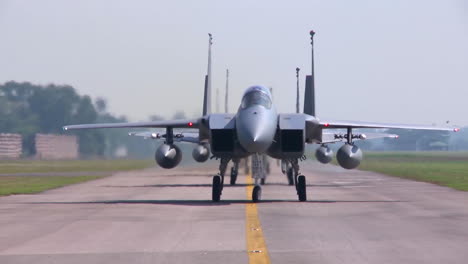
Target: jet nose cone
[[255, 141], [256, 128], [255, 138]]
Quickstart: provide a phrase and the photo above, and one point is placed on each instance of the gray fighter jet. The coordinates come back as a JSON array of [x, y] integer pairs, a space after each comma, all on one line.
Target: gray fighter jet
[[255, 129]]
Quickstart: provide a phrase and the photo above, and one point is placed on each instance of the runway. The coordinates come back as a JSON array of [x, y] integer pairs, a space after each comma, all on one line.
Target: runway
[[166, 216]]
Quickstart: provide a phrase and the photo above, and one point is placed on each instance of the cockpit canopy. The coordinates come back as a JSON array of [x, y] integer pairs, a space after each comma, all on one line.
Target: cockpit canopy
[[256, 98]]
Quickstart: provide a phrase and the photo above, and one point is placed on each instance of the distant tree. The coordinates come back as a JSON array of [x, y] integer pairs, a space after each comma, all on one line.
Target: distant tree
[[156, 118], [55, 106], [179, 115], [101, 105], [29, 109], [415, 140]]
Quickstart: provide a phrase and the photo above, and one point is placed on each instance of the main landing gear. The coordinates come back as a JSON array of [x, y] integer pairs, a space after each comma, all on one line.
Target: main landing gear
[[287, 169], [234, 172], [297, 179], [300, 182], [218, 180]]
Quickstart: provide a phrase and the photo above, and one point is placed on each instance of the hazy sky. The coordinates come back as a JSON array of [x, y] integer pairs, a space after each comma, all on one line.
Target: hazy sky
[[389, 61]]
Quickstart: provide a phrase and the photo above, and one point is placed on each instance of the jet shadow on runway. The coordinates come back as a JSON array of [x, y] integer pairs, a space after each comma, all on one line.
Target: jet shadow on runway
[[211, 203], [231, 186], [171, 185]]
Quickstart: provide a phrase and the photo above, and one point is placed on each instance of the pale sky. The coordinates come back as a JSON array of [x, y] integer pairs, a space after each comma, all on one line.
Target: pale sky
[[389, 61]]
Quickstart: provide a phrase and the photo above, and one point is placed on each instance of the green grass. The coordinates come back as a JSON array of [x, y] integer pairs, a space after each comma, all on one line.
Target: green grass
[[443, 168], [34, 184], [39, 166]]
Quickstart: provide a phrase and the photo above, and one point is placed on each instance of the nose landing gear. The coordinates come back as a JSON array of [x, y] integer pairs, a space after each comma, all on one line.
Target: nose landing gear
[[258, 174], [257, 193]]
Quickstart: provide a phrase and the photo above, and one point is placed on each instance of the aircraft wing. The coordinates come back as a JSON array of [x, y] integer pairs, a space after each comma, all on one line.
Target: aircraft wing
[[180, 123], [336, 137], [359, 124], [178, 137]]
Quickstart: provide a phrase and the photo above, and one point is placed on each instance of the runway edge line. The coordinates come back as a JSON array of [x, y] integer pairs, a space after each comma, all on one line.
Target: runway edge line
[[256, 246]]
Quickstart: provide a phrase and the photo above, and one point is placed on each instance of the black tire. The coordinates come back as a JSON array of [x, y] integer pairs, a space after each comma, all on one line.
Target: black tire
[[233, 176], [301, 188], [262, 181], [216, 189], [256, 194], [290, 175]]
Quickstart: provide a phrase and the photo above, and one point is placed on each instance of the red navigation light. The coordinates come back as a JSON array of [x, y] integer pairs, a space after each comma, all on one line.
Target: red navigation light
[[190, 124], [326, 125], [456, 129]]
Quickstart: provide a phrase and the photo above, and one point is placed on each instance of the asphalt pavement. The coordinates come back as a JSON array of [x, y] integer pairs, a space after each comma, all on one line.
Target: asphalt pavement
[[166, 216]]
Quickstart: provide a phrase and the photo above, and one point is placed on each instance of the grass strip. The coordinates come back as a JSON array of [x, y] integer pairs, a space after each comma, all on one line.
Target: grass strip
[[40, 166], [443, 168], [35, 184]]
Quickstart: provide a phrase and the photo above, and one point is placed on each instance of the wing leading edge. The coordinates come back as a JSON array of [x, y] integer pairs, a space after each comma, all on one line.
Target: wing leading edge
[[359, 124], [180, 123]]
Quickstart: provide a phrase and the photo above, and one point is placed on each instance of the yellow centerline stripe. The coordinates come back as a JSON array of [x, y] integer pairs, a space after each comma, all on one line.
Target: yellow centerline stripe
[[256, 246]]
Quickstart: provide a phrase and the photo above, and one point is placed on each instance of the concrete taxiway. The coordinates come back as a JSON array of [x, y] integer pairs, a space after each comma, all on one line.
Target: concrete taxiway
[[166, 216]]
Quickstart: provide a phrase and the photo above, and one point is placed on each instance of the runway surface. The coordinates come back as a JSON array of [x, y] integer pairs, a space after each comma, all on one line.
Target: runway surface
[[166, 216]]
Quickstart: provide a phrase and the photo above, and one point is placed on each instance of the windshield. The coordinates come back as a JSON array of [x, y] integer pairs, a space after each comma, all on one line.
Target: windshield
[[256, 98]]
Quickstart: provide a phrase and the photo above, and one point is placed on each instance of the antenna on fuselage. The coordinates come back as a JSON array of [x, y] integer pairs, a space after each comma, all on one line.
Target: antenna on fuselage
[[227, 92], [297, 88], [207, 92], [309, 94]]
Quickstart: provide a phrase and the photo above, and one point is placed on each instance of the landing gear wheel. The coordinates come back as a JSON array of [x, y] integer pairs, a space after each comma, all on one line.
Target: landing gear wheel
[[216, 188], [290, 175], [234, 173], [301, 188], [256, 193], [262, 181]]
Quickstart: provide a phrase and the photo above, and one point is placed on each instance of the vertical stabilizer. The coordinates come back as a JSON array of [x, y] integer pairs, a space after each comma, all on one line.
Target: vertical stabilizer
[[309, 94], [207, 92], [227, 92], [217, 100]]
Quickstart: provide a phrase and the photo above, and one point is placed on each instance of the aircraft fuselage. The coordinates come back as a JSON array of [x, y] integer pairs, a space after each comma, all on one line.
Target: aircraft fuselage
[[256, 120]]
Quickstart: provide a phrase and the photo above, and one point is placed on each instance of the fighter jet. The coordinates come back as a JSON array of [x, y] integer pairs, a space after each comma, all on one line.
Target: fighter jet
[[257, 128]]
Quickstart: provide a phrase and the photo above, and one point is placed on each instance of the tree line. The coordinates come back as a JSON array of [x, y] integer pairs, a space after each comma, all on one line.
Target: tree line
[[418, 140], [29, 109]]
